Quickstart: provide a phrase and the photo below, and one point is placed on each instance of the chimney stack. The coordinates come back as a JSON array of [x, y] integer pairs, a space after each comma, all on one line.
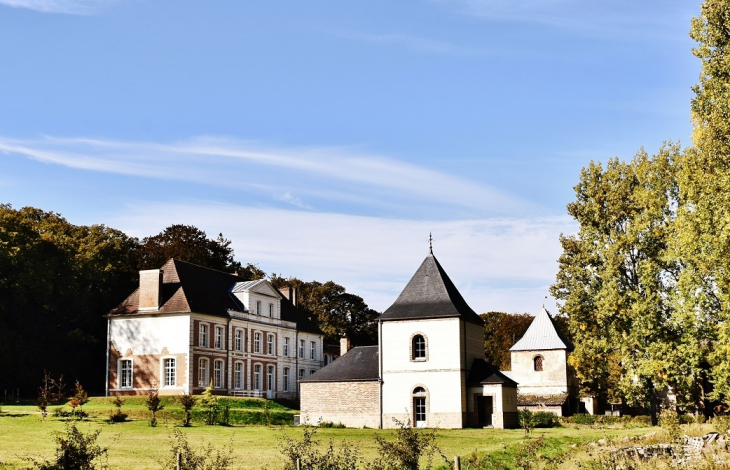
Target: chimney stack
[[150, 287], [344, 345], [290, 293]]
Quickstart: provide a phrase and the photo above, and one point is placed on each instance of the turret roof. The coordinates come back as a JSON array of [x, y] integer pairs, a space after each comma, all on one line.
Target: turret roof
[[542, 334]]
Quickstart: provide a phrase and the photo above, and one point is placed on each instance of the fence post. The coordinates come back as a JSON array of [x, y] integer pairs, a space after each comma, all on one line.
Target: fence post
[[299, 464], [457, 463], [178, 465]]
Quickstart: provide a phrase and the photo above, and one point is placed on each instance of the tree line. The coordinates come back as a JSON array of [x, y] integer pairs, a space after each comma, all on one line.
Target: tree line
[[58, 280], [645, 283]]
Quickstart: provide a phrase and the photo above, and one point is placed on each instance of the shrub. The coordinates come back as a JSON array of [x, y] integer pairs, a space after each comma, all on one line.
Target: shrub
[[154, 404], [305, 451], [686, 419], [527, 456], [209, 402], [225, 419], [75, 450], [117, 416], [583, 419], [721, 423], [188, 402], [406, 450], [330, 424], [545, 419], [524, 418], [78, 400], [481, 461], [206, 458], [669, 421]]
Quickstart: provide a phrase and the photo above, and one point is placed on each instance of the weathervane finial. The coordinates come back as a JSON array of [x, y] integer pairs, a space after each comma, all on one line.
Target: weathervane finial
[[430, 243]]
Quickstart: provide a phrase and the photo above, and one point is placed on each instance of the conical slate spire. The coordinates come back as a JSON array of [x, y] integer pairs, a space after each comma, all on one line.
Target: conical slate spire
[[542, 334], [430, 294]]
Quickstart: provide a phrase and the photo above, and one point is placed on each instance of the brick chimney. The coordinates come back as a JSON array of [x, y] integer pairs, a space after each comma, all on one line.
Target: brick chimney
[[150, 287], [290, 293], [344, 345]]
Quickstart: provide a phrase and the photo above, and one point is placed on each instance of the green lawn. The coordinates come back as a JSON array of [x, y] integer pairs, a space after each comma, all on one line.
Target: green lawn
[[136, 445]]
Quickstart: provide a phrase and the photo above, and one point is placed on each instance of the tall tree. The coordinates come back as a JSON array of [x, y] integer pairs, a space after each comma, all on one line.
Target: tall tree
[[334, 309], [188, 243], [56, 281], [501, 332], [703, 221], [616, 276]]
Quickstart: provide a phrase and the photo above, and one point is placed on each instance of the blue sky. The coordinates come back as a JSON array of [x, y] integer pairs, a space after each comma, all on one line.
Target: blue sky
[[327, 139]]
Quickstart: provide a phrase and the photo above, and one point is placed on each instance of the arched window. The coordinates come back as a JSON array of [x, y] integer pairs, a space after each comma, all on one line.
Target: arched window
[[419, 407], [538, 363], [418, 348]]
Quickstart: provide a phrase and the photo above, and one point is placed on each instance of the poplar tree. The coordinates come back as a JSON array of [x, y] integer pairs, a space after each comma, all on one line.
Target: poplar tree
[[703, 224]]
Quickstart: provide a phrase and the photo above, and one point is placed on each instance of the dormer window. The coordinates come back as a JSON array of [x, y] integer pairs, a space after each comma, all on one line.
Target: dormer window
[[537, 363], [418, 348]]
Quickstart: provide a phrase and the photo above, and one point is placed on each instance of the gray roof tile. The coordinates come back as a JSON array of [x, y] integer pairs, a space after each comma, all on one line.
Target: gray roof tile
[[542, 334], [430, 294], [359, 364]]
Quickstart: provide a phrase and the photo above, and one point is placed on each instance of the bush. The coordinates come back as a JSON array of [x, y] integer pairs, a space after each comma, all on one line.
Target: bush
[[188, 402], [116, 416], [406, 450], [209, 402], [669, 421], [330, 424], [75, 450], [545, 419], [721, 423], [582, 419], [154, 404], [524, 418], [204, 459], [687, 419], [305, 451], [481, 461]]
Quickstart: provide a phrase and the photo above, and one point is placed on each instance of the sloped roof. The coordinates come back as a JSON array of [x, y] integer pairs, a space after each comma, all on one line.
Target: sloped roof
[[483, 372], [430, 294], [542, 334], [359, 364], [188, 288]]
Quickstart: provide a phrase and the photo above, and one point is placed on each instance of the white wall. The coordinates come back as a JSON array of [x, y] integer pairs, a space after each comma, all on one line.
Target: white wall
[[148, 335]]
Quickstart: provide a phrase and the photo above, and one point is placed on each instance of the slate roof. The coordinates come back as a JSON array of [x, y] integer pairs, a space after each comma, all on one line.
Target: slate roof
[[430, 294], [360, 364], [188, 288], [483, 372], [542, 334]]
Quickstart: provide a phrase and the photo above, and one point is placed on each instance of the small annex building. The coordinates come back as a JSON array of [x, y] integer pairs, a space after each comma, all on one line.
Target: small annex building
[[187, 326], [428, 368], [540, 366]]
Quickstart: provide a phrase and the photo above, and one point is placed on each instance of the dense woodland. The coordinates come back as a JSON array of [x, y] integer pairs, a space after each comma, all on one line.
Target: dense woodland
[[58, 280]]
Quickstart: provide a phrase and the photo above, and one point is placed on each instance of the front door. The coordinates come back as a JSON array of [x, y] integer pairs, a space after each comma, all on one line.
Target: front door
[[484, 411]]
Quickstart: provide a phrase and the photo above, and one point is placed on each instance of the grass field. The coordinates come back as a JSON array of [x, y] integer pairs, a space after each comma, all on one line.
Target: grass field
[[136, 445]]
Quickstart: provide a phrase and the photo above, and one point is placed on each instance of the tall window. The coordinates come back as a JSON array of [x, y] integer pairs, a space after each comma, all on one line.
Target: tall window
[[257, 342], [419, 407], [170, 373], [301, 349], [285, 379], [239, 340], [301, 374], [271, 310], [270, 344], [312, 349], [125, 373], [219, 337], [270, 378], [538, 363], [203, 337], [257, 377], [203, 372], [258, 307], [286, 347], [238, 376], [218, 374], [419, 348]]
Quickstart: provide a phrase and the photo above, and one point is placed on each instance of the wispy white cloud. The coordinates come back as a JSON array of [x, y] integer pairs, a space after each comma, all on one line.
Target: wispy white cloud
[[293, 200], [503, 264], [69, 7], [417, 43], [324, 173]]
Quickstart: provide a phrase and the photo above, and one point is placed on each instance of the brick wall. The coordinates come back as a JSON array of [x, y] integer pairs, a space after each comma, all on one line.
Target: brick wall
[[354, 404]]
